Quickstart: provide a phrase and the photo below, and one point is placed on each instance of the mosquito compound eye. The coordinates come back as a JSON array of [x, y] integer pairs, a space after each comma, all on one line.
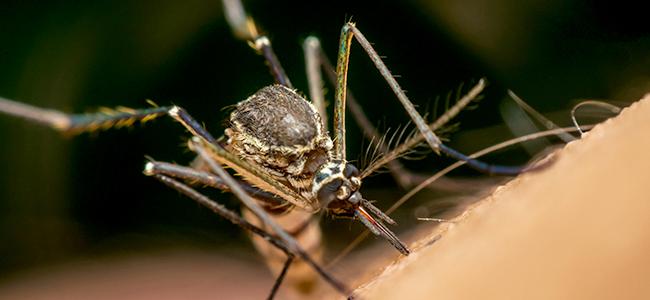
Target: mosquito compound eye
[[328, 192], [350, 171]]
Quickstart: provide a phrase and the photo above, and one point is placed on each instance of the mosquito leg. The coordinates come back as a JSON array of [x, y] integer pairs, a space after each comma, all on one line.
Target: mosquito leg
[[402, 176], [76, 123], [244, 28], [340, 93], [157, 169], [196, 146], [230, 216], [241, 222], [48, 117], [104, 119], [194, 176], [347, 32], [315, 58], [220, 210], [312, 50], [280, 278]]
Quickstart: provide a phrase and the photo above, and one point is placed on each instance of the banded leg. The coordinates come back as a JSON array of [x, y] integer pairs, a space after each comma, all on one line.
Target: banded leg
[[347, 32], [76, 123], [244, 28], [103, 120], [123, 117]]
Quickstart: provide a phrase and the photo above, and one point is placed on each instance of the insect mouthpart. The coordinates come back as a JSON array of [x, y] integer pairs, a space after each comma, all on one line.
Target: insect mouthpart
[[336, 186], [363, 213]]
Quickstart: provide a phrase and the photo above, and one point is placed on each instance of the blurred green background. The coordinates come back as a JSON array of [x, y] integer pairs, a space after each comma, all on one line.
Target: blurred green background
[[63, 198]]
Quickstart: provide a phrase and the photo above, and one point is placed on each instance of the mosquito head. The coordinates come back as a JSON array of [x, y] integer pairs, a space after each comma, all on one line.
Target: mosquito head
[[336, 185]]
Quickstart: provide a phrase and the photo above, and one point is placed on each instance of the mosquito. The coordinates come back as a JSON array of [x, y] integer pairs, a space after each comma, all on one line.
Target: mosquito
[[289, 168]]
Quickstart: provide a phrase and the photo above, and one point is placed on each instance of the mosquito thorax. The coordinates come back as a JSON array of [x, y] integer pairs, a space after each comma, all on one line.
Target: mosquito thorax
[[336, 186], [280, 130]]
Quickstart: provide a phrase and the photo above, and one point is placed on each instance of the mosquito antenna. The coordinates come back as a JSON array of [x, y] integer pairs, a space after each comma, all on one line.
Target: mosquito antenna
[[417, 138]]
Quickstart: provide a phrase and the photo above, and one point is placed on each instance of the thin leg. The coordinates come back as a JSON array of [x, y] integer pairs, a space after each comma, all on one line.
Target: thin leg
[[403, 177], [316, 58], [280, 278], [341, 92], [234, 218], [221, 210], [194, 127], [244, 28], [312, 50], [347, 32], [238, 191], [104, 120], [253, 206], [76, 123], [194, 176], [230, 216]]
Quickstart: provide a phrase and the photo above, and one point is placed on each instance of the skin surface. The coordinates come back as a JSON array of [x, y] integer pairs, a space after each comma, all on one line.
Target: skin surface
[[577, 230]]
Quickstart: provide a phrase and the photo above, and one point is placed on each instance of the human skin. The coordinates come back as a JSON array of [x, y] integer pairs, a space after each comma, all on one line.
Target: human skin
[[576, 230]]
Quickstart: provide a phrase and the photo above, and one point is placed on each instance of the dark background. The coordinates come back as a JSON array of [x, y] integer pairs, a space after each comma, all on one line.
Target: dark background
[[63, 198]]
